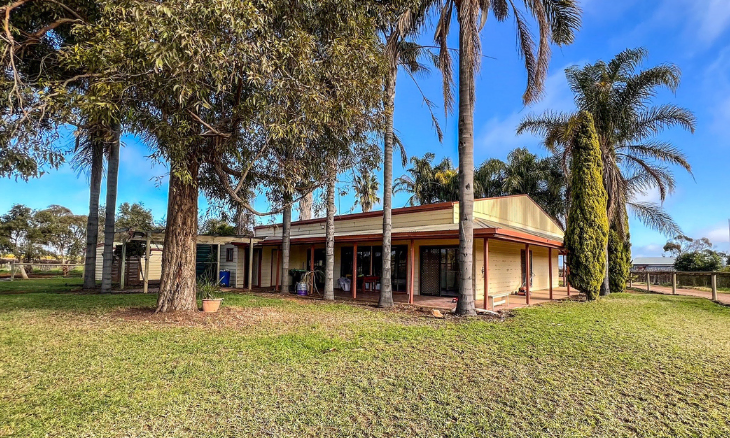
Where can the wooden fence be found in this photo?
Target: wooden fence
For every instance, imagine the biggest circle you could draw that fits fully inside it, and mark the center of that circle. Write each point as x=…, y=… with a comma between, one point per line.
x=679, y=279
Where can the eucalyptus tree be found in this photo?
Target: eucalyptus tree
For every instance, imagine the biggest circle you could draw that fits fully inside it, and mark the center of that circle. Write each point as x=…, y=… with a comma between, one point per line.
x=619, y=97
x=219, y=88
x=556, y=21
x=306, y=204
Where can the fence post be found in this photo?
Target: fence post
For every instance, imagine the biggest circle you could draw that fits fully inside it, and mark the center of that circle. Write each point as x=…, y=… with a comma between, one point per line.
x=12, y=270
x=674, y=283
x=714, y=287
x=647, y=282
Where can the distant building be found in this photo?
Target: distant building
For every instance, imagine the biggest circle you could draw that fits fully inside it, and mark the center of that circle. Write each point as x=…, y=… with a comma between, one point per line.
x=653, y=264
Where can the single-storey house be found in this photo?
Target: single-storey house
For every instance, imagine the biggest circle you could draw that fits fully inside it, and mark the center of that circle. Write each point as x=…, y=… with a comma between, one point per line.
x=510, y=233
x=653, y=264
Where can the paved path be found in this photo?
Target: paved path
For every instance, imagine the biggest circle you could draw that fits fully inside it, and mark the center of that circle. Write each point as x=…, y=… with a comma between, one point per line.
x=722, y=297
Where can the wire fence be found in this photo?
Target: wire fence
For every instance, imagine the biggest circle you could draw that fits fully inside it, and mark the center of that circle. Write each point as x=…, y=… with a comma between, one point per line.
x=17, y=269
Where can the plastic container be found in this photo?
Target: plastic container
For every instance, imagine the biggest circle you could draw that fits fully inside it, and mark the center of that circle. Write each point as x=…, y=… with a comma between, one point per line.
x=301, y=288
x=224, y=278
x=344, y=284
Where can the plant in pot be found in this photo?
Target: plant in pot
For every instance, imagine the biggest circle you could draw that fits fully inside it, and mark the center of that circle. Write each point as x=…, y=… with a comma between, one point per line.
x=208, y=292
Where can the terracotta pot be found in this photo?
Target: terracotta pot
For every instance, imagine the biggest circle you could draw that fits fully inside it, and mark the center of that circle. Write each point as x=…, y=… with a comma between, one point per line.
x=212, y=305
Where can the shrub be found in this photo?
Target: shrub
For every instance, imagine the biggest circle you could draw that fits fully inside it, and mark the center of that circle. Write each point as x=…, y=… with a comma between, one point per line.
x=586, y=235
x=706, y=260
x=208, y=290
x=619, y=261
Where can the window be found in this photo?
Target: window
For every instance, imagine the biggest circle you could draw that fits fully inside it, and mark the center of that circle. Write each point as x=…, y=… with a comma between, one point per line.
x=229, y=254
x=370, y=260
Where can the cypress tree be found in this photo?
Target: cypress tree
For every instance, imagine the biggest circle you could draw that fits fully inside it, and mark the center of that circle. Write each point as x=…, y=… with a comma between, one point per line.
x=587, y=233
x=619, y=261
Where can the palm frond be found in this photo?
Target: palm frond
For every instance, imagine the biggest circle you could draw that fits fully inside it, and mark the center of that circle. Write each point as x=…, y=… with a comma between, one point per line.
x=526, y=50
x=444, y=61
x=657, y=150
x=655, y=217
x=399, y=144
x=655, y=119
x=565, y=19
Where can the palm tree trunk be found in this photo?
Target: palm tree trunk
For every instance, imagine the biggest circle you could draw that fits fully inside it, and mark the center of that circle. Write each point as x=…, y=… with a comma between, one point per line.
x=465, y=305
x=285, y=244
x=329, y=276
x=111, y=207
x=386, y=286
x=92, y=224
x=177, y=281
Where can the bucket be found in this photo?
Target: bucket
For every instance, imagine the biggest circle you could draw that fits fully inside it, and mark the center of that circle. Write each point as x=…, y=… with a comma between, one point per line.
x=301, y=288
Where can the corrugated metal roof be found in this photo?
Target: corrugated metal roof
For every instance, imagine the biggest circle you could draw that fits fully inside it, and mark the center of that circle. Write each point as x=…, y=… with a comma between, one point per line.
x=479, y=223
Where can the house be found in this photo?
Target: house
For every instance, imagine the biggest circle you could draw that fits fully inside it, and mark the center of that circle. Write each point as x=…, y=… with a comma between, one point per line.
x=509, y=232
x=653, y=264
x=214, y=254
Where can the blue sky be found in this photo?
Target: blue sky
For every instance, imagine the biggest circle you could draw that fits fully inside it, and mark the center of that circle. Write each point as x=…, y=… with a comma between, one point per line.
x=693, y=34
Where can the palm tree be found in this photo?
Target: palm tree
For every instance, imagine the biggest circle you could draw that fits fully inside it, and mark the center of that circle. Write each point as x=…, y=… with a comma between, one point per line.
x=399, y=53
x=366, y=191
x=89, y=154
x=489, y=178
x=619, y=99
x=418, y=181
x=113, y=138
x=556, y=22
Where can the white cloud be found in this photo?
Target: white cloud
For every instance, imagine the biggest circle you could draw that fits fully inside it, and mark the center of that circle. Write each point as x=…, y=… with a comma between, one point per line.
x=720, y=236
x=650, y=250
x=498, y=136
x=712, y=18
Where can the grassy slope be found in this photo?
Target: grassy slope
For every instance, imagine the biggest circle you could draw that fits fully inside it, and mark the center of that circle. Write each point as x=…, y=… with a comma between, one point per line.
x=630, y=365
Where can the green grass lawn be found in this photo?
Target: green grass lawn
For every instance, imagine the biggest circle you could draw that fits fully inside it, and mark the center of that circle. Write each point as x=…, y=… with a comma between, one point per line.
x=53, y=284
x=629, y=365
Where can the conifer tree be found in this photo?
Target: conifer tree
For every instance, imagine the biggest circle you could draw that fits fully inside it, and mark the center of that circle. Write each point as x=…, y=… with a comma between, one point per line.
x=587, y=232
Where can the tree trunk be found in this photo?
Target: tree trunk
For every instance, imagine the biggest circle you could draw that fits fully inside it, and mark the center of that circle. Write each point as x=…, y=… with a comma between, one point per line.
x=92, y=224
x=177, y=282
x=111, y=207
x=386, y=285
x=243, y=219
x=606, y=285
x=329, y=276
x=305, y=206
x=285, y=245
x=465, y=305
x=23, y=274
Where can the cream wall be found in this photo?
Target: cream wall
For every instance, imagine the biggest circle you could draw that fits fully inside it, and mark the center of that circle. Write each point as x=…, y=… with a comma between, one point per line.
x=505, y=270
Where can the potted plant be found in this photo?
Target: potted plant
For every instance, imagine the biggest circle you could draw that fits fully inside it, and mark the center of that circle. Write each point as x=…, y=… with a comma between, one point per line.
x=208, y=291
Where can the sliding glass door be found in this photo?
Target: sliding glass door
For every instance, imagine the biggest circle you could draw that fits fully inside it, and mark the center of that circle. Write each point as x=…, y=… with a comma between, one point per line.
x=439, y=271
